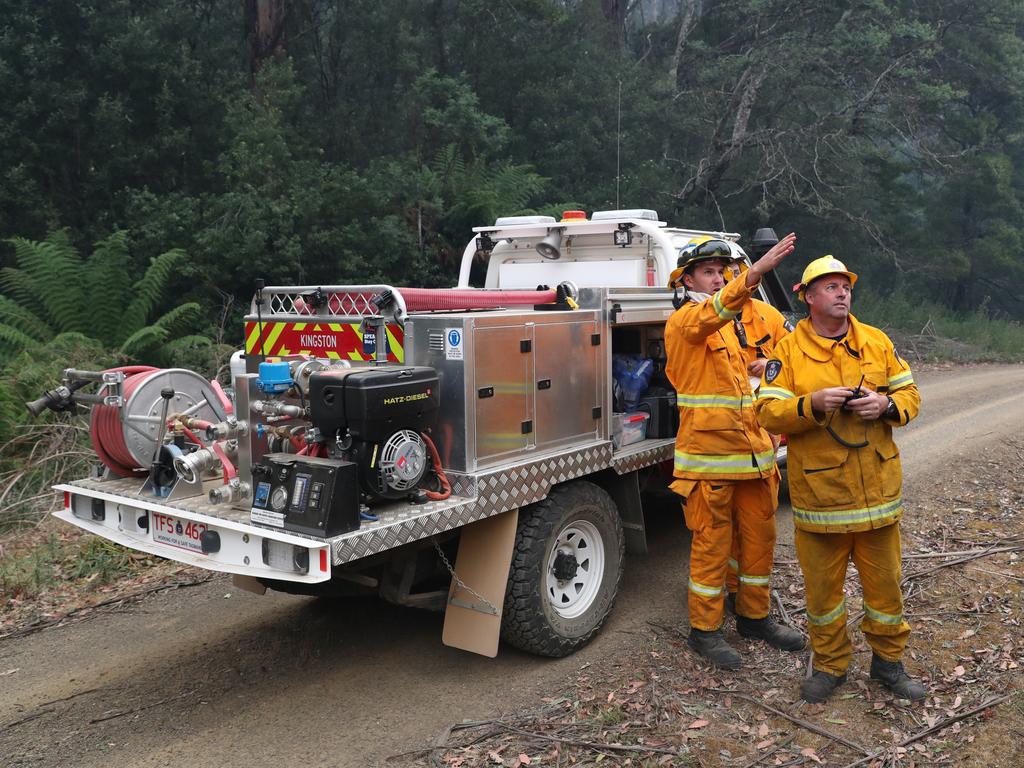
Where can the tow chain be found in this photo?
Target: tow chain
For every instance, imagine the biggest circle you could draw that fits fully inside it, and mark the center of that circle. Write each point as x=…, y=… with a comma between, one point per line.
x=486, y=607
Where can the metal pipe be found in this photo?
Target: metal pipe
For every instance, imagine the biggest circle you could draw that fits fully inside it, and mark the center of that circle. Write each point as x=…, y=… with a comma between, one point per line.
x=275, y=408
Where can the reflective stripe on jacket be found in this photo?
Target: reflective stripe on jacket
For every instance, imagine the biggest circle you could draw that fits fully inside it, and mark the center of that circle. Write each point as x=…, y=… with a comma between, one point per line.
x=718, y=436
x=834, y=488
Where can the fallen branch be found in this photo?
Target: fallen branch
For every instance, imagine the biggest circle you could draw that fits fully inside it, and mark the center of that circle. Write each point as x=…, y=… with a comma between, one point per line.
x=439, y=744
x=997, y=573
x=802, y=723
x=931, y=555
x=587, y=744
x=116, y=715
x=72, y=696
x=25, y=719
x=782, y=608
x=41, y=625
x=942, y=724
x=959, y=561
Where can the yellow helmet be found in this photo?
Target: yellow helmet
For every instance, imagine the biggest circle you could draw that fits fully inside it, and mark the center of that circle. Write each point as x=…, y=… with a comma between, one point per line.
x=826, y=265
x=699, y=249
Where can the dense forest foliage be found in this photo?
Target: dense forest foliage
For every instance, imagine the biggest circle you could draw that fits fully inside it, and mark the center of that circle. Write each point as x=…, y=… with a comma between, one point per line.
x=330, y=141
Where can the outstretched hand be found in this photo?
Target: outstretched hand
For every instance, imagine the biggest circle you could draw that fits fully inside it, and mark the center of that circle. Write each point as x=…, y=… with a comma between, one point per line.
x=770, y=260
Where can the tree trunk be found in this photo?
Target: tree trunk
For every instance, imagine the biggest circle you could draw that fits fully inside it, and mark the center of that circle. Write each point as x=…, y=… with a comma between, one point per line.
x=615, y=12
x=687, y=17
x=265, y=23
x=721, y=153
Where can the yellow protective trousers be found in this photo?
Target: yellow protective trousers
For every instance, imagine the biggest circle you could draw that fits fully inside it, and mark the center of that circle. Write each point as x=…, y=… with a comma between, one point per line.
x=712, y=507
x=823, y=560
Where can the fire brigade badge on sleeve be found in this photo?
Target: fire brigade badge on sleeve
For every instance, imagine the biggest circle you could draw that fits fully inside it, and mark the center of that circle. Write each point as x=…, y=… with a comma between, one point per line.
x=772, y=369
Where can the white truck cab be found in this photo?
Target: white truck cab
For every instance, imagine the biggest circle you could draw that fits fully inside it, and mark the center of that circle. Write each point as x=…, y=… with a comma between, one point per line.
x=622, y=249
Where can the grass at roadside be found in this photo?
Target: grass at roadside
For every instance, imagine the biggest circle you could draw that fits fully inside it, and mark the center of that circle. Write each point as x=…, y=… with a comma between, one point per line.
x=928, y=332
x=53, y=569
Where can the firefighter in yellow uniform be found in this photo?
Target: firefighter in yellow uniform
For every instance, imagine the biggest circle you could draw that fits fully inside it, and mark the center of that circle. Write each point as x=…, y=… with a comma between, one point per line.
x=836, y=388
x=724, y=462
x=759, y=326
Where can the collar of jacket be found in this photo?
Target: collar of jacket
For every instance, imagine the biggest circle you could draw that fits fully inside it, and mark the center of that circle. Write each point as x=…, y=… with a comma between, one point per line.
x=820, y=347
x=696, y=297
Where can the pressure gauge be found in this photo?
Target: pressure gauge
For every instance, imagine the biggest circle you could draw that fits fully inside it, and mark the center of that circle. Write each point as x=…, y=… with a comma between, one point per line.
x=279, y=498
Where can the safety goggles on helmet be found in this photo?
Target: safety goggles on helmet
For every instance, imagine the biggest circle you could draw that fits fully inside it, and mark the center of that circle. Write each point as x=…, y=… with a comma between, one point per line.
x=694, y=252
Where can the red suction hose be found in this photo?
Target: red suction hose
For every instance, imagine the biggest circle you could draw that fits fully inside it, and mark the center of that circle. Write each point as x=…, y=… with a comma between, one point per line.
x=425, y=299
x=105, y=427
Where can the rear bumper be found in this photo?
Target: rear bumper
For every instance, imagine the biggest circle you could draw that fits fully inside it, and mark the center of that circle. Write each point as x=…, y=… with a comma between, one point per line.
x=237, y=548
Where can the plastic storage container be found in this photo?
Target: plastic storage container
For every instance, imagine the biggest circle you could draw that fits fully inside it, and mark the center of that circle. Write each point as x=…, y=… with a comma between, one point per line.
x=629, y=428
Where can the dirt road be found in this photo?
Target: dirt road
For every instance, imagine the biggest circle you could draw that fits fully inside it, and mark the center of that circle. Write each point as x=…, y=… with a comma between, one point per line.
x=210, y=676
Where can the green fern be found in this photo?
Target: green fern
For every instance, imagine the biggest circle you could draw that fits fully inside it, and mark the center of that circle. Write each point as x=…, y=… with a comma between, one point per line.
x=18, y=286
x=52, y=293
x=144, y=343
x=147, y=292
x=13, y=340
x=15, y=315
x=108, y=286
x=180, y=319
x=54, y=272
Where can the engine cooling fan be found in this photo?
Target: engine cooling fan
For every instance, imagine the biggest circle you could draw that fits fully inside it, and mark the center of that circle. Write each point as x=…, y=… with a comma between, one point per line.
x=402, y=461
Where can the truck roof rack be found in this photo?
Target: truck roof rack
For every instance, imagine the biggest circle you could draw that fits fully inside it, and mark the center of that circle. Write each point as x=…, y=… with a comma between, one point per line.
x=511, y=221
x=625, y=213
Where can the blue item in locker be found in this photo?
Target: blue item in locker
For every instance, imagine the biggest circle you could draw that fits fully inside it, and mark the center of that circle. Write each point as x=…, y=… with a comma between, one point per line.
x=633, y=375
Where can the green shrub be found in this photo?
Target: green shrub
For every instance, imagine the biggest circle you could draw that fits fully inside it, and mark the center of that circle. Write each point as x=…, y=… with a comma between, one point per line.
x=101, y=561
x=29, y=574
x=933, y=332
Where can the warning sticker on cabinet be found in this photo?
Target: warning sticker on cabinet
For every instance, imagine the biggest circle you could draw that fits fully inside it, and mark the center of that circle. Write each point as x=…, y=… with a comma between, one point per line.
x=453, y=344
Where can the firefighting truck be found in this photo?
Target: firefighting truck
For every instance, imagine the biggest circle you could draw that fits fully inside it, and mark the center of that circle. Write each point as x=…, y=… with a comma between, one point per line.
x=469, y=449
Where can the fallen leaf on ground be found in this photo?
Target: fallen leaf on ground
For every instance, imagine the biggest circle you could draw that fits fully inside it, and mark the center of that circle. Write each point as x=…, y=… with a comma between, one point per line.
x=809, y=752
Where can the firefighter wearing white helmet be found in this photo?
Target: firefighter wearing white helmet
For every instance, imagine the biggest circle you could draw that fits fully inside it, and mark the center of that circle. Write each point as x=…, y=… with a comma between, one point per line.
x=724, y=462
x=836, y=388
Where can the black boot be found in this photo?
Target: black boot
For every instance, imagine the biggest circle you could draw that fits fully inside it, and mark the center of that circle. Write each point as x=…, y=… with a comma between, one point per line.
x=712, y=646
x=730, y=603
x=819, y=686
x=776, y=635
x=892, y=675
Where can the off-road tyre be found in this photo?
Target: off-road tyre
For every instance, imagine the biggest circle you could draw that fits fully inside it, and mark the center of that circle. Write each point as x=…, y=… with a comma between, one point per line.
x=539, y=615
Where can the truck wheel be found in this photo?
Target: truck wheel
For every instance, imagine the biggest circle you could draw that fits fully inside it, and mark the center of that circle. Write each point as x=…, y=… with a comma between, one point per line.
x=565, y=570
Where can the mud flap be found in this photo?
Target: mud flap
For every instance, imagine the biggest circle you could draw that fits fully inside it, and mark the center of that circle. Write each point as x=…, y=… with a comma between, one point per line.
x=248, y=583
x=485, y=554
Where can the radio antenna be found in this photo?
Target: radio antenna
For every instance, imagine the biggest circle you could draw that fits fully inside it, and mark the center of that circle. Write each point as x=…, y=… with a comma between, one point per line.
x=259, y=315
x=618, y=144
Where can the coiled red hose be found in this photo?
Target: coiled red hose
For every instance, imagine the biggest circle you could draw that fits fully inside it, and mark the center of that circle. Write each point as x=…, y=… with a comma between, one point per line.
x=427, y=299
x=106, y=430
x=424, y=299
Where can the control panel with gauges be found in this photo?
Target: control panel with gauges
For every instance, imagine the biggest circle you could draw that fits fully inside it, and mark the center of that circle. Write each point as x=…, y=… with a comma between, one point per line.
x=306, y=494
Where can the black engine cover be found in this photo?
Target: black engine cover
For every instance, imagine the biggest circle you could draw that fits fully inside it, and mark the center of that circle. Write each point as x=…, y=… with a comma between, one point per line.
x=373, y=403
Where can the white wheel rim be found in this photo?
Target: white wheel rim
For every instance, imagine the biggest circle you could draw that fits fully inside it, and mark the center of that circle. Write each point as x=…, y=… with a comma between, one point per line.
x=572, y=597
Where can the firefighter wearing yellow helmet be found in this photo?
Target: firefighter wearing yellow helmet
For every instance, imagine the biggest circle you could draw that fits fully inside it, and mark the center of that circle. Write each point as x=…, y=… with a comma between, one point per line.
x=724, y=462
x=826, y=265
x=836, y=388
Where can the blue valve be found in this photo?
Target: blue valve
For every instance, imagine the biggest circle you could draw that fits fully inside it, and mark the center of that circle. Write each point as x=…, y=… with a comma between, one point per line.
x=275, y=378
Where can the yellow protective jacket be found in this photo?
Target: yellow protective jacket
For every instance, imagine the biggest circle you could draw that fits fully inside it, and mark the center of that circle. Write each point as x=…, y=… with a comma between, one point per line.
x=718, y=437
x=834, y=488
x=764, y=326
